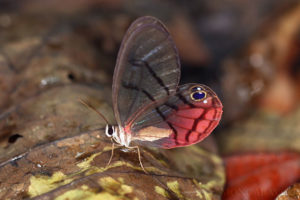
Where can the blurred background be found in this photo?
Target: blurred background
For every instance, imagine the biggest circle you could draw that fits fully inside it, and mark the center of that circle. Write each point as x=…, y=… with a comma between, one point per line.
x=247, y=51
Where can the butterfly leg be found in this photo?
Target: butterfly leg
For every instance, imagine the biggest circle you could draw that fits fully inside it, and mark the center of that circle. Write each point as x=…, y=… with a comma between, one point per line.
x=112, y=154
x=139, y=155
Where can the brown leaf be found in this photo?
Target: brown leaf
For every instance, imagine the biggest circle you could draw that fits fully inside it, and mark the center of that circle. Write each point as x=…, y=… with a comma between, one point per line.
x=75, y=166
x=49, y=116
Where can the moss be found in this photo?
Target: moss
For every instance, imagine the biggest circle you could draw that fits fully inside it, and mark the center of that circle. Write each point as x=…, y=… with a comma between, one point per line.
x=85, y=194
x=86, y=165
x=115, y=186
x=87, y=162
x=161, y=191
x=199, y=194
x=174, y=186
x=207, y=195
x=113, y=190
x=41, y=184
x=205, y=189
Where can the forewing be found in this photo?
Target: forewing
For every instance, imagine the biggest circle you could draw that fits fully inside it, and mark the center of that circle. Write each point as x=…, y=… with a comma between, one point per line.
x=180, y=121
x=147, y=69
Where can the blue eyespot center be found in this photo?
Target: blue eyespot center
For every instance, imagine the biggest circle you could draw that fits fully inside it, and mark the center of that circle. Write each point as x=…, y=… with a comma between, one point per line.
x=198, y=95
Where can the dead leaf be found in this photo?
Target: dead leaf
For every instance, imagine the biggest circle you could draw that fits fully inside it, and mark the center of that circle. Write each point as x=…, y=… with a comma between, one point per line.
x=75, y=167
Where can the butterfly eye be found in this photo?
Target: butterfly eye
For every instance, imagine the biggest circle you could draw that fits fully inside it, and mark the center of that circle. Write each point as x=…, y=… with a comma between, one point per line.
x=109, y=130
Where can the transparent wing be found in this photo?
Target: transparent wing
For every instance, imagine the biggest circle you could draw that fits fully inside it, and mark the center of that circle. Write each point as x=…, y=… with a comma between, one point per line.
x=147, y=69
x=183, y=119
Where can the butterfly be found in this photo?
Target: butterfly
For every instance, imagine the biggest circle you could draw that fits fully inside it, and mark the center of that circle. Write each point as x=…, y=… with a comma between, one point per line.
x=149, y=106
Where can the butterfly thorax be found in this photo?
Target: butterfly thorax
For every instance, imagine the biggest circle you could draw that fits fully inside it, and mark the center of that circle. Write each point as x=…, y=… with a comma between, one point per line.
x=118, y=134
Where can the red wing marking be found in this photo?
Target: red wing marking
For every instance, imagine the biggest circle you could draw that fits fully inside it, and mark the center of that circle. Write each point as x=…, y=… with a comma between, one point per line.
x=202, y=125
x=181, y=135
x=193, y=136
x=183, y=122
x=210, y=114
x=192, y=113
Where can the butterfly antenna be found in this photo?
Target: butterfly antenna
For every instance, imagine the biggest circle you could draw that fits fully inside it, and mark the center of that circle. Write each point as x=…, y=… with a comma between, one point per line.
x=94, y=109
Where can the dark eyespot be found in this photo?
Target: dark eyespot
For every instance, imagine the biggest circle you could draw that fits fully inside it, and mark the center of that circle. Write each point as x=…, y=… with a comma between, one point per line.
x=110, y=130
x=197, y=96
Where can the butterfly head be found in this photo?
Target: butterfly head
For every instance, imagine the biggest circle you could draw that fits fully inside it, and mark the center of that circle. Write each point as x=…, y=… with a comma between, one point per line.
x=117, y=133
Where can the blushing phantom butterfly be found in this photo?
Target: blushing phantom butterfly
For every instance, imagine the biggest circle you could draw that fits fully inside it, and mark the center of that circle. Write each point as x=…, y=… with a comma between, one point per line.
x=149, y=106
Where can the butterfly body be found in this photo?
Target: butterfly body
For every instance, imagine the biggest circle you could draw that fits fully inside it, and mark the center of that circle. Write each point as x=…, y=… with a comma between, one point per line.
x=149, y=106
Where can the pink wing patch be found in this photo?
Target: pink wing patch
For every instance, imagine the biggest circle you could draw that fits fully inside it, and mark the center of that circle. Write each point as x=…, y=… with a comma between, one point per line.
x=188, y=120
